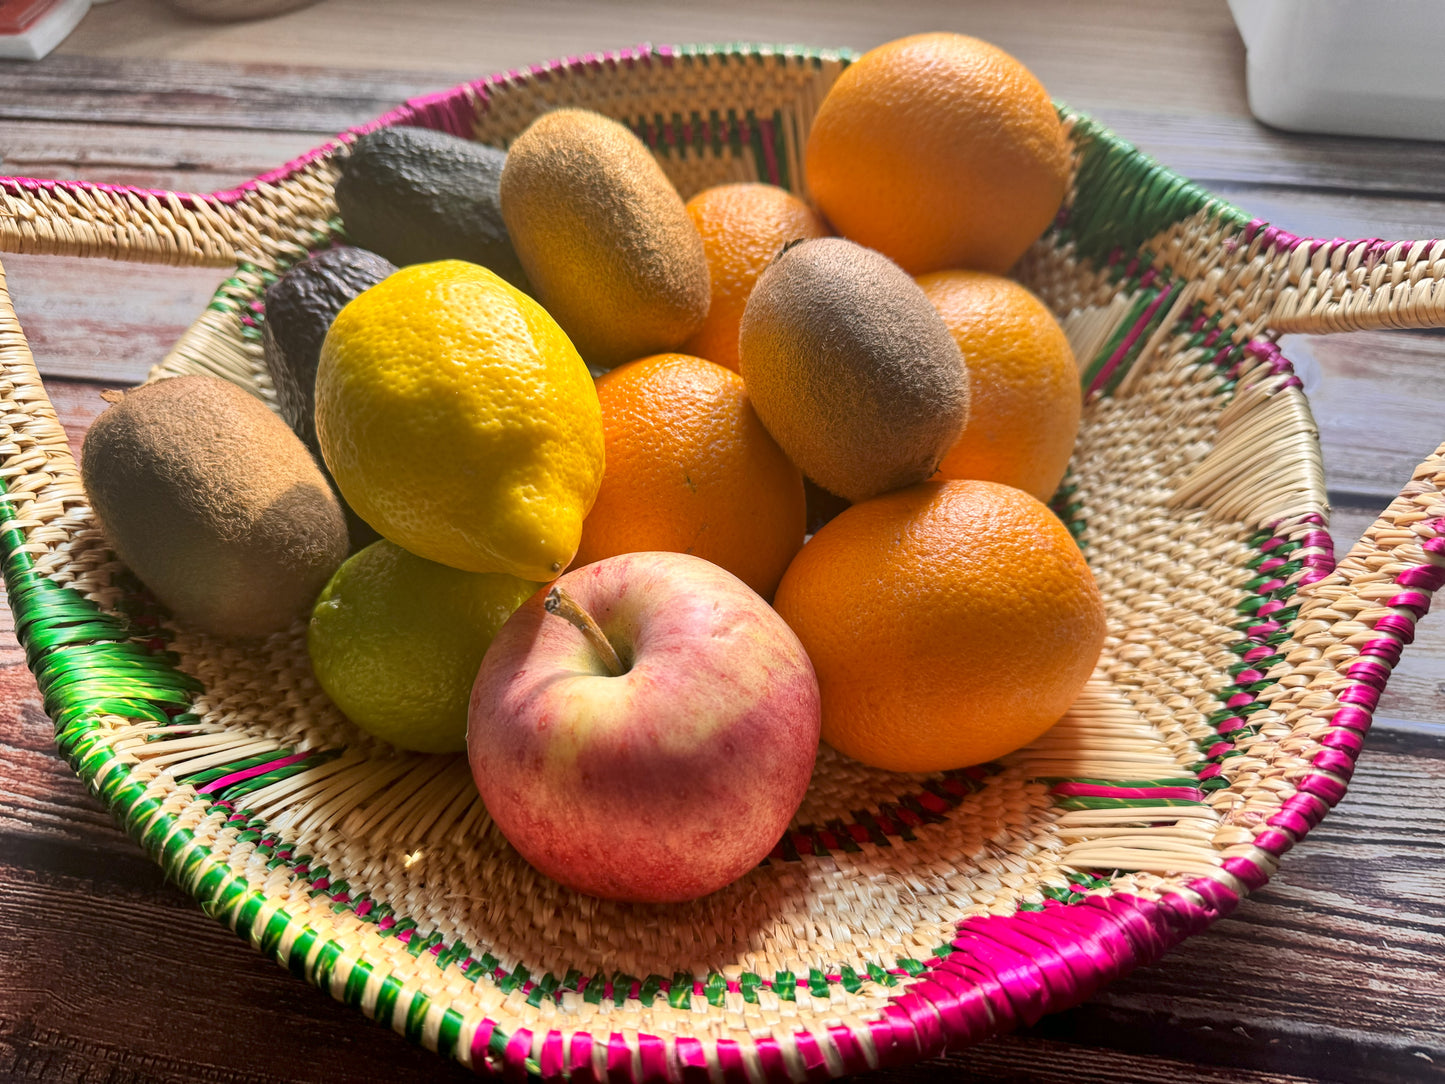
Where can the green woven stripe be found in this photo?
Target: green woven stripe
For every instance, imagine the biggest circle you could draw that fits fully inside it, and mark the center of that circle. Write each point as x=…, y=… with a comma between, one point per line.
x=254, y=784
x=1179, y=781
x=449, y=1032
x=1122, y=197
x=201, y=778
x=355, y=988
x=736, y=53
x=416, y=1016
x=1136, y=310
x=1076, y=891
x=1123, y=803
x=1066, y=505
x=679, y=136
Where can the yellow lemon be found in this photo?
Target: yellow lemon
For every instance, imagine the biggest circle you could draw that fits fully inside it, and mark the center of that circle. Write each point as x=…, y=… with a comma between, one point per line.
x=460, y=422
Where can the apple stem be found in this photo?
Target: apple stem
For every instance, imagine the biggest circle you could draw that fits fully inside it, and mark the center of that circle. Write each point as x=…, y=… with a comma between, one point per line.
x=562, y=604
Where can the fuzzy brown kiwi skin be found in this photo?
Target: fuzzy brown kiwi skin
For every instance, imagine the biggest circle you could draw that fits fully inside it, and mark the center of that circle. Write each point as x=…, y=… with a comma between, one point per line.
x=214, y=503
x=604, y=237
x=851, y=369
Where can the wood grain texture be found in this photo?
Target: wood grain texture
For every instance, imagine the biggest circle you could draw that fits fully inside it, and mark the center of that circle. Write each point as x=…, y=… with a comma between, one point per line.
x=1379, y=404
x=103, y=320
x=111, y=975
x=256, y=97
x=167, y=157
x=1183, y=55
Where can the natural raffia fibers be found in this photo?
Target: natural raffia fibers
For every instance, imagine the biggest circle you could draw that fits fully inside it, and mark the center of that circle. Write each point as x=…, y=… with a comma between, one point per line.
x=900, y=915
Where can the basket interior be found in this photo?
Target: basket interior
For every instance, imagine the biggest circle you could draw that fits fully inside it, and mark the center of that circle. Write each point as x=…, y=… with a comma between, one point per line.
x=1195, y=491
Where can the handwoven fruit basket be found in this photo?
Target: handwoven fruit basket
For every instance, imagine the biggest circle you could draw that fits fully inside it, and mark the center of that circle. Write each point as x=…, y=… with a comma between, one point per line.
x=900, y=916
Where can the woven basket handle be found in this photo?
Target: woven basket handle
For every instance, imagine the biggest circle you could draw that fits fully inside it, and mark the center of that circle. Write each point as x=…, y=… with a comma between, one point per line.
x=75, y=218
x=1361, y=286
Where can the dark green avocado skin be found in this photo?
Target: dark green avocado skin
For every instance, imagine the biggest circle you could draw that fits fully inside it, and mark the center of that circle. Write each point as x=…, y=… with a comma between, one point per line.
x=415, y=195
x=300, y=307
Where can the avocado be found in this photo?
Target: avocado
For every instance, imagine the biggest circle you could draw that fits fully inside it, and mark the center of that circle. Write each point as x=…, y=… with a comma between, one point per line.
x=415, y=195
x=300, y=306
x=214, y=503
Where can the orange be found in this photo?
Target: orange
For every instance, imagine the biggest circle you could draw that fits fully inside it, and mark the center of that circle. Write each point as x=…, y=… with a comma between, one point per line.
x=949, y=623
x=743, y=226
x=938, y=150
x=1023, y=386
x=691, y=469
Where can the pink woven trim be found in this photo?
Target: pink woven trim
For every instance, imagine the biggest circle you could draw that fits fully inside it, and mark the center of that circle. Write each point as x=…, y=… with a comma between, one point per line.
x=579, y=1056
x=17, y=185
x=1371, y=249
x=250, y=773
x=1274, y=237
x=481, y=1038
x=1367, y=675
x=770, y=153
x=1006, y=972
x=1271, y=236
x=553, y=1058
x=516, y=1053
x=1100, y=790
x=1269, y=352
x=1122, y=351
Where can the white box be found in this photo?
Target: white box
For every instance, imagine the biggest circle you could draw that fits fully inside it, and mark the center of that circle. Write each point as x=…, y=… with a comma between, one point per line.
x=1349, y=67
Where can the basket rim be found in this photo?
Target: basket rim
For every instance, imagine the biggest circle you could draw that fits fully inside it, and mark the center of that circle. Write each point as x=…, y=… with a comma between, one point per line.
x=1013, y=969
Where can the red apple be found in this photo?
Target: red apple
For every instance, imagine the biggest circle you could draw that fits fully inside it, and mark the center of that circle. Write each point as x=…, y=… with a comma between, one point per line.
x=667, y=780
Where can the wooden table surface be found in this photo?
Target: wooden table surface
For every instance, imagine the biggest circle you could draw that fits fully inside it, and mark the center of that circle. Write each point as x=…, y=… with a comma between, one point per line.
x=109, y=974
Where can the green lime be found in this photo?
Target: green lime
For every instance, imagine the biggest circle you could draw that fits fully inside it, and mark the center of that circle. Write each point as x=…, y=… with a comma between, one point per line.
x=396, y=642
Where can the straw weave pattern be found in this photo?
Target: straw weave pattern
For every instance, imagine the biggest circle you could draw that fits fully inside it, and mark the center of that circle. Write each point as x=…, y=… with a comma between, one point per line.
x=900, y=915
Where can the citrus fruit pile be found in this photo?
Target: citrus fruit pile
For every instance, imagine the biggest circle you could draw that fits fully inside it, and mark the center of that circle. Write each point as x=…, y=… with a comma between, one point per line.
x=545, y=360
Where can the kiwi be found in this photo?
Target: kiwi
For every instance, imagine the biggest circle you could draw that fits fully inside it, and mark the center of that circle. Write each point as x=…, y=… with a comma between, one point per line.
x=851, y=369
x=214, y=503
x=604, y=237
x=415, y=195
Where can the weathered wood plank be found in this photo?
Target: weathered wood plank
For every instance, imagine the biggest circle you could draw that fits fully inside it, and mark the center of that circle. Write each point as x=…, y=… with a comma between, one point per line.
x=43, y=798
x=102, y=320
x=77, y=403
x=1180, y=56
x=255, y=97
x=1218, y=147
x=1379, y=403
x=1034, y=1058
x=164, y=157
